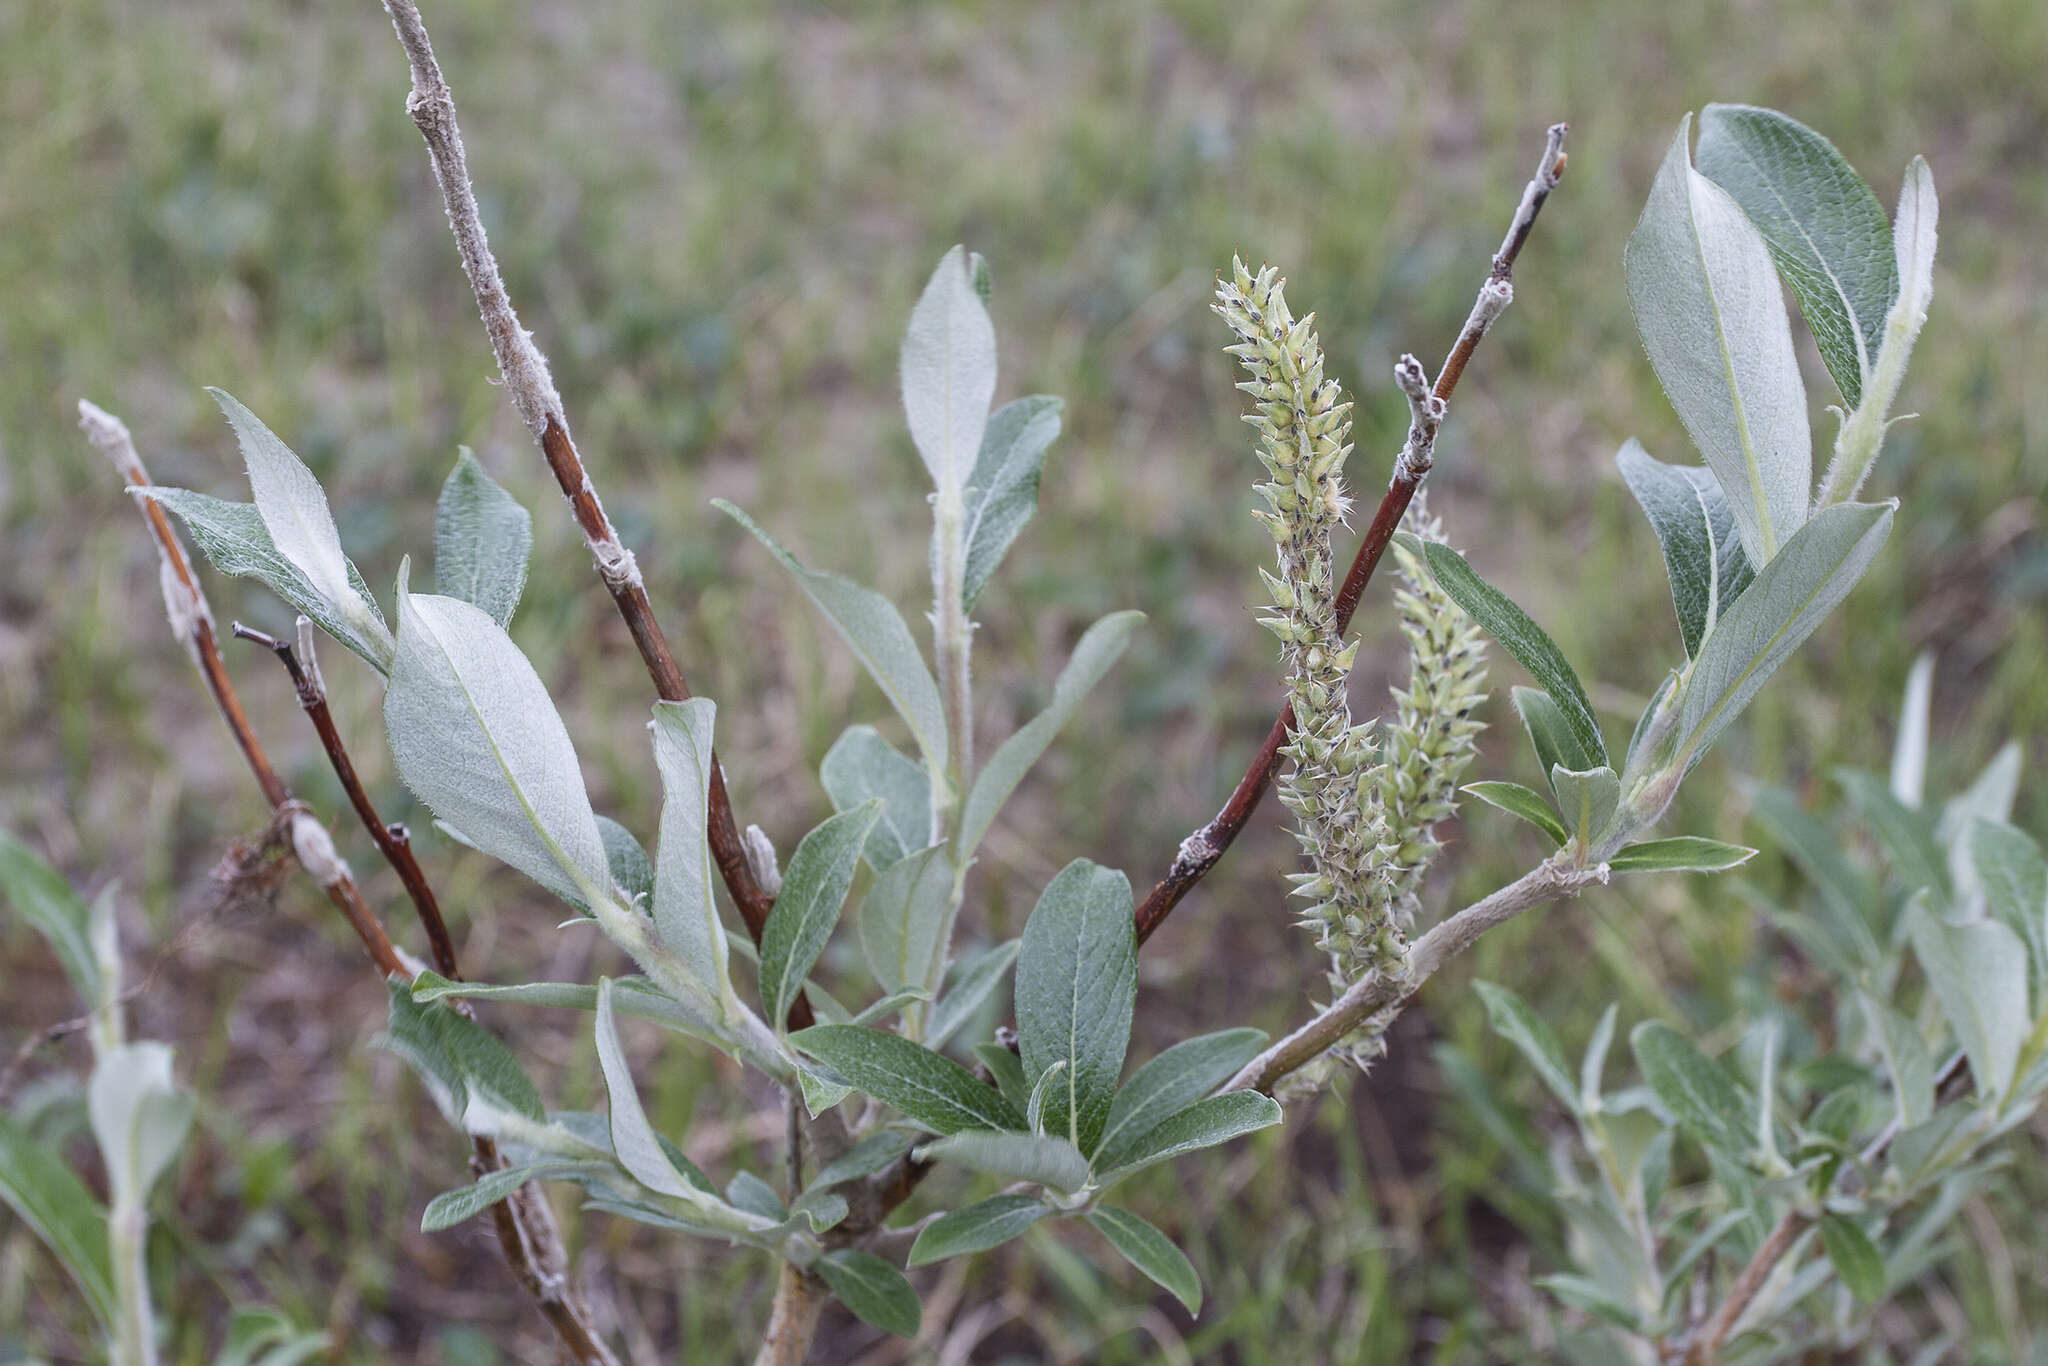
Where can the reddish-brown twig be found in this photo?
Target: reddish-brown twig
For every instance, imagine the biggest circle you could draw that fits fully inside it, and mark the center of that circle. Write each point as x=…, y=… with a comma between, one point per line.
x=1427, y=403
x=526, y=1228
x=531, y=389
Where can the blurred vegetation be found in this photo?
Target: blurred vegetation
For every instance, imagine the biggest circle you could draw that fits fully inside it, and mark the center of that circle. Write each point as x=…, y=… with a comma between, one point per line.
x=715, y=217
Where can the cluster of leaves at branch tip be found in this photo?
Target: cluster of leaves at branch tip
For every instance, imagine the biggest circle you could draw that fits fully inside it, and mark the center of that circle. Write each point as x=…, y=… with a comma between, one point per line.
x=1365, y=812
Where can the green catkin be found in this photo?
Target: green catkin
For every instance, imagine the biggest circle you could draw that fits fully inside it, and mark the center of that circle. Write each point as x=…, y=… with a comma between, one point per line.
x=1365, y=813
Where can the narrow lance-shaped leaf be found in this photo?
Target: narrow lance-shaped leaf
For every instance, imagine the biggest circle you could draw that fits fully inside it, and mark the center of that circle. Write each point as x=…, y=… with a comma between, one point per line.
x=41, y=896
x=1038, y=1158
x=477, y=738
x=974, y=980
x=235, y=541
x=1002, y=493
x=933, y=1090
x=949, y=372
x=294, y=510
x=875, y=1291
x=874, y=629
x=1824, y=227
x=1204, y=1124
x=1979, y=974
x=1521, y=801
x=471, y=1076
x=814, y=887
x=1077, y=980
x=685, y=907
x=1909, y=750
x=1792, y=595
x=903, y=918
x=1171, y=1082
x=482, y=539
x=1701, y=1096
x=1099, y=648
x=1151, y=1251
x=1514, y=1021
x=2009, y=867
x=1556, y=744
x=1680, y=854
x=976, y=1228
x=1855, y=1260
x=1703, y=554
x=46, y=1196
x=1525, y=640
x=638, y=1147
x=862, y=765
x=1708, y=305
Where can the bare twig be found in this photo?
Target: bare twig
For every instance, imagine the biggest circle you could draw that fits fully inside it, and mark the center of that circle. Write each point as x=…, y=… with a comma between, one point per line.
x=525, y=1223
x=531, y=389
x=391, y=840
x=1553, y=880
x=1704, y=1346
x=1201, y=850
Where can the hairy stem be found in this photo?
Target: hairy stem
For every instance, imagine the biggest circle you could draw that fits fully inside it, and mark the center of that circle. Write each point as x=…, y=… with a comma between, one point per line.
x=793, y=1321
x=1553, y=880
x=1203, y=849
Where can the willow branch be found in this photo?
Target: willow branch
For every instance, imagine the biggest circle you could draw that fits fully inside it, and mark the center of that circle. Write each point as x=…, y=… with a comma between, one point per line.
x=1553, y=880
x=793, y=1319
x=526, y=1227
x=531, y=388
x=1428, y=405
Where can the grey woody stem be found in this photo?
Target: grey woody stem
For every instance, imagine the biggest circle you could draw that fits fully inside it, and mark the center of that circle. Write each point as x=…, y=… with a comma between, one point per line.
x=525, y=1223
x=1553, y=880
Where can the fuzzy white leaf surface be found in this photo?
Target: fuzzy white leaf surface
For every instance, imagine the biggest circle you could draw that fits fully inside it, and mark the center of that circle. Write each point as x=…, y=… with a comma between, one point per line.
x=949, y=372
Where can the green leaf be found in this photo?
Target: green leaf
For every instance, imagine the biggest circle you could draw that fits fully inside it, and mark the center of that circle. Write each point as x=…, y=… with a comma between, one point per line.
x=1909, y=750
x=1703, y=553
x=627, y=861
x=1697, y=1091
x=864, y=1158
x=1512, y=1019
x=234, y=539
x=973, y=982
x=452, y=1207
x=1555, y=743
x=1171, y=1082
x=1077, y=980
x=904, y=919
x=1856, y=1260
x=1151, y=1251
x=685, y=906
x=41, y=896
x=1525, y=640
x=814, y=887
x=639, y=1149
x=59, y=1210
x=1710, y=311
x=873, y=628
x=860, y=766
x=1680, y=854
x=264, y=1337
x=1587, y=800
x=1824, y=227
x=294, y=510
x=1521, y=801
x=482, y=539
x=1099, y=648
x=949, y=372
x=1037, y=1158
x=2015, y=881
x=1006, y=1070
x=1906, y=1058
x=1595, y=1062
x=477, y=739
x=749, y=1192
x=875, y=1291
x=1589, y=1297
x=1792, y=595
x=1979, y=974
x=1914, y=233
x=1002, y=493
x=933, y=1090
x=472, y=1077
x=1202, y=1125
x=1907, y=836
x=139, y=1117
x=976, y=1228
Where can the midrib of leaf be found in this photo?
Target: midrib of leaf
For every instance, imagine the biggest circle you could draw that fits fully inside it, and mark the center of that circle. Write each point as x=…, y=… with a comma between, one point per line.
x=555, y=850
x=1855, y=323
x=1074, y=1051
x=1765, y=529
x=1713, y=566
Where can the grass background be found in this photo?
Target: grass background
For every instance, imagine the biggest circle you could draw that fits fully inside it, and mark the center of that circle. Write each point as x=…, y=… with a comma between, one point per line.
x=715, y=217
